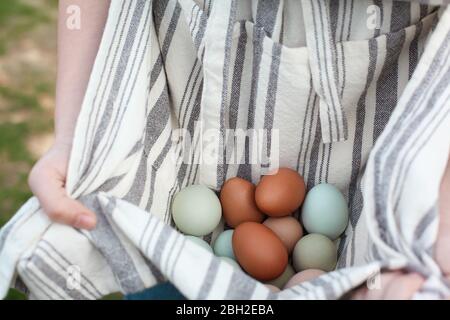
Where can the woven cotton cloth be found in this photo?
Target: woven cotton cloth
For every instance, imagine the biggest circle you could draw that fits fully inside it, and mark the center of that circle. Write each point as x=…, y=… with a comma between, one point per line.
x=366, y=109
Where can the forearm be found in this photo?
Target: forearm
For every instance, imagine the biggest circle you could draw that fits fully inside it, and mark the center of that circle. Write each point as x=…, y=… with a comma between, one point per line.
x=77, y=49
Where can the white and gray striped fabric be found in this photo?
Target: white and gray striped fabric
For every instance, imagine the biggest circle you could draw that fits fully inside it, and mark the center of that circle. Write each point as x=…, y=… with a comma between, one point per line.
x=366, y=109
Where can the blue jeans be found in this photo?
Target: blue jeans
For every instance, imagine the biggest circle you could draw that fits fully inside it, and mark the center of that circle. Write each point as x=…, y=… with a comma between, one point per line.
x=161, y=291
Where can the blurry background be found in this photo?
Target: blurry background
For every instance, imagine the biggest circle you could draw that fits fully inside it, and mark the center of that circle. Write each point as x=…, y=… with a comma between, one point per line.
x=27, y=80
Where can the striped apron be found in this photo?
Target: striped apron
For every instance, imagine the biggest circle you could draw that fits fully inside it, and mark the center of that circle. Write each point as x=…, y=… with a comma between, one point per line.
x=366, y=109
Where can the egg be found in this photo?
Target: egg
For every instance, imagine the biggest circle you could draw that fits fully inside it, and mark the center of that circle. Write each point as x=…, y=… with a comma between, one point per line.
x=303, y=276
x=196, y=210
x=314, y=251
x=238, y=202
x=198, y=241
x=281, y=193
x=282, y=279
x=325, y=211
x=223, y=246
x=259, y=251
x=288, y=229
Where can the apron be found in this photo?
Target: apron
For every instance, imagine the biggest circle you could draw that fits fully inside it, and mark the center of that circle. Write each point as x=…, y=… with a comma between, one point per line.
x=366, y=112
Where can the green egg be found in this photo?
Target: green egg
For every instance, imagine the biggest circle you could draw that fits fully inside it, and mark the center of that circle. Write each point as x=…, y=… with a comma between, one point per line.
x=202, y=243
x=325, y=211
x=223, y=246
x=314, y=251
x=196, y=210
x=281, y=280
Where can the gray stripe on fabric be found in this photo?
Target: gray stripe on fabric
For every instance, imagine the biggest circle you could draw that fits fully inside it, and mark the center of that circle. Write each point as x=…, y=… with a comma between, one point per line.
x=266, y=14
x=237, y=76
x=423, y=10
x=405, y=166
x=359, y=131
x=314, y=115
x=236, y=85
x=56, y=278
x=181, y=174
x=224, y=101
x=102, y=125
x=314, y=156
x=192, y=93
x=321, y=28
x=158, y=66
x=382, y=181
x=342, y=251
x=209, y=279
x=64, y=269
x=350, y=19
x=156, y=122
x=177, y=257
x=115, y=87
x=245, y=169
x=426, y=220
x=155, y=167
x=271, y=96
x=89, y=282
x=400, y=15
x=302, y=137
x=387, y=83
x=201, y=30
x=188, y=83
x=334, y=15
x=161, y=242
x=32, y=277
x=155, y=271
x=104, y=78
x=159, y=10
x=414, y=49
x=111, y=183
x=119, y=117
x=379, y=4
x=240, y=287
x=110, y=246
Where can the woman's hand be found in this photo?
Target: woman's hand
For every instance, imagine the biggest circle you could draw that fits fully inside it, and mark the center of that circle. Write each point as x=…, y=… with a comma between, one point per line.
x=399, y=285
x=47, y=181
x=77, y=49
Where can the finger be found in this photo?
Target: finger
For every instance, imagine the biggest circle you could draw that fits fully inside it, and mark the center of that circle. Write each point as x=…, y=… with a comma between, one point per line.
x=403, y=287
x=49, y=189
x=443, y=239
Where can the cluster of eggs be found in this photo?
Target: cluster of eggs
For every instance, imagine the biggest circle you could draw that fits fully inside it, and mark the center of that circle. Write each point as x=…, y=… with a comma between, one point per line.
x=266, y=237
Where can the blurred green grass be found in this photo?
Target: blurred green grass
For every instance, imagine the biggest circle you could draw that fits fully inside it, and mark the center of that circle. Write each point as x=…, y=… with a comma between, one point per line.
x=27, y=80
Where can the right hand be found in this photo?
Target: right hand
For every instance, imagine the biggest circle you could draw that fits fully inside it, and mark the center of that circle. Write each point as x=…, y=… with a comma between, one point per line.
x=47, y=181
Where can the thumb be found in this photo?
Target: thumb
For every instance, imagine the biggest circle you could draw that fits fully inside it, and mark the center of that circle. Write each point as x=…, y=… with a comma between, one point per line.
x=49, y=189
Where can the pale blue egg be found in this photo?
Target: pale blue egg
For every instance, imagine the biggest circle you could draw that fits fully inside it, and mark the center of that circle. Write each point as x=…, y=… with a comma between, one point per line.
x=325, y=211
x=223, y=246
x=196, y=210
x=199, y=241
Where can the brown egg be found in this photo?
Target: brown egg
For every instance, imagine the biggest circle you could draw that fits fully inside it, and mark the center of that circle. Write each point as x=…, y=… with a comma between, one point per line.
x=280, y=194
x=288, y=229
x=238, y=202
x=303, y=276
x=259, y=251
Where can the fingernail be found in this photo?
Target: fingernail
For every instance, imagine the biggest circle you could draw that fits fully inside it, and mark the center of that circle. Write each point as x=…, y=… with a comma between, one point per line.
x=85, y=222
